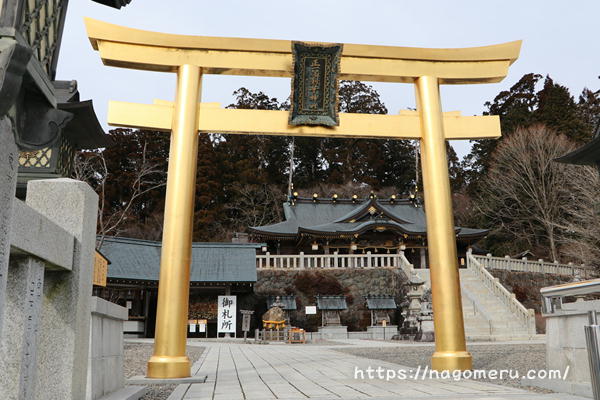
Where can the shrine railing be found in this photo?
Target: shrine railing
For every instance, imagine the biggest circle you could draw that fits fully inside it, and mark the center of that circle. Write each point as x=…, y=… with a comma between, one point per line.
x=539, y=266
x=526, y=316
x=406, y=265
x=309, y=261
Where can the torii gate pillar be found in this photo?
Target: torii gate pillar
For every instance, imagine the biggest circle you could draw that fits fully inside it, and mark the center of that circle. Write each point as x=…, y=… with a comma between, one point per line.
x=170, y=359
x=450, y=350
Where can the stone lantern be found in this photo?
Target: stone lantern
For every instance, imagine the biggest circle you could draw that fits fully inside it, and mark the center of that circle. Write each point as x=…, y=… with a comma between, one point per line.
x=411, y=313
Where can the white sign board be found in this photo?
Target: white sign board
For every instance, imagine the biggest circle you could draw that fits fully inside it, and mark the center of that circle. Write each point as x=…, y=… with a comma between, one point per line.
x=311, y=310
x=227, y=313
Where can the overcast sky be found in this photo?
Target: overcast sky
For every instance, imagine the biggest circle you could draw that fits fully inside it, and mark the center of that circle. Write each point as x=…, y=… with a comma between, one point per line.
x=560, y=38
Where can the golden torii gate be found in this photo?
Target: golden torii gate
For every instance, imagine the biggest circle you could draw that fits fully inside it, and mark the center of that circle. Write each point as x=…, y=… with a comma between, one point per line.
x=192, y=56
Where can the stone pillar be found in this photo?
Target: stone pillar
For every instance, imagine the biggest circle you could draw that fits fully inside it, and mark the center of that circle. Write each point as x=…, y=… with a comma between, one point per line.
x=19, y=343
x=423, y=257
x=63, y=346
x=9, y=158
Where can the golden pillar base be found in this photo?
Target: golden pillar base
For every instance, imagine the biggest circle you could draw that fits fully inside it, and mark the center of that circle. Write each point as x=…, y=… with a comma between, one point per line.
x=451, y=361
x=166, y=367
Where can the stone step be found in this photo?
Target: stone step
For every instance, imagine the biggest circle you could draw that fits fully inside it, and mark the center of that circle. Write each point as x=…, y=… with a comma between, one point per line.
x=503, y=323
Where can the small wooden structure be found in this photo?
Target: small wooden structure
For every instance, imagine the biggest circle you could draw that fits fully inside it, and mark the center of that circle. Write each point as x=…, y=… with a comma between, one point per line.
x=296, y=335
x=380, y=307
x=330, y=307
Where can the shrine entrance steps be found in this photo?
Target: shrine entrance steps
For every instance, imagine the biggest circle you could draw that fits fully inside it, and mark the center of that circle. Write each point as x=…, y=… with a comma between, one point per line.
x=486, y=316
x=490, y=315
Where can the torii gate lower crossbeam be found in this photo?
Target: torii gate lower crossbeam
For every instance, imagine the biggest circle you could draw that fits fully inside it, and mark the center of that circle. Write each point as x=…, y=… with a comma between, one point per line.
x=192, y=56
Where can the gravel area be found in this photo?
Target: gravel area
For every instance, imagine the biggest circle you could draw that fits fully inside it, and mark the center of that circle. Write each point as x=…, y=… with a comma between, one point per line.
x=520, y=357
x=135, y=358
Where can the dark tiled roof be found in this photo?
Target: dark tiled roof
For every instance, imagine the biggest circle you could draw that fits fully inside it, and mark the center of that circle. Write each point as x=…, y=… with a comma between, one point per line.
x=381, y=302
x=326, y=217
x=84, y=130
x=289, y=302
x=114, y=3
x=331, y=302
x=588, y=154
x=211, y=262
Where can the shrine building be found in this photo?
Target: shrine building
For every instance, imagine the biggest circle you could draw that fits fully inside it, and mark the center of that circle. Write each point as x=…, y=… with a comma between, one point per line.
x=336, y=233
x=133, y=271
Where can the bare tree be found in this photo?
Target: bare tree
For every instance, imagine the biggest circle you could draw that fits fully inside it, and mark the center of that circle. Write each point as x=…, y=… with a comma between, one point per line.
x=581, y=223
x=255, y=205
x=525, y=191
x=91, y=167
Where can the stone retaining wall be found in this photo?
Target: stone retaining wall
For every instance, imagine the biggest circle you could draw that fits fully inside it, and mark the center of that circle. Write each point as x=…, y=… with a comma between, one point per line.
x=526, y=285
x=355, y=284
x=105, y=370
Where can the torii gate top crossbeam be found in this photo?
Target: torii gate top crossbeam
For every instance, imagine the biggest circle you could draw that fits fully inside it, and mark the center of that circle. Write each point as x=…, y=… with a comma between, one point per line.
x=133, y=48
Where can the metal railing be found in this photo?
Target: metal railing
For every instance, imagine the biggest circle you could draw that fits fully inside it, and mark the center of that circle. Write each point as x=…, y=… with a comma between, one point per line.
x=478, y=308
x=539, y=266
x=552, y=296
x=526, y=316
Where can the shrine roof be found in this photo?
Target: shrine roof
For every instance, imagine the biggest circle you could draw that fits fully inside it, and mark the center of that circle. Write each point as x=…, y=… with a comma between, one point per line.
x=137, y=259
x=331, y=302
x=588, y=154
x=84, y=130
x=380, y=302
x=113, y=3
x=344, y=217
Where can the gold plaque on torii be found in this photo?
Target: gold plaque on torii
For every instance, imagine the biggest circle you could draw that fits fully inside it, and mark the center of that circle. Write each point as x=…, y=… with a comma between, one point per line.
x=192, y=56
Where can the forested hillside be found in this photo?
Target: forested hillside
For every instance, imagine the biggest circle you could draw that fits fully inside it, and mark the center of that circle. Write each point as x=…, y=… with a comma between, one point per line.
x=510, y=185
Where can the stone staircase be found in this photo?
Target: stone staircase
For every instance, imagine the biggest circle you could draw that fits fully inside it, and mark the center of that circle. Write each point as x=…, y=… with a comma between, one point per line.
x=491, y=312
x=485, y=315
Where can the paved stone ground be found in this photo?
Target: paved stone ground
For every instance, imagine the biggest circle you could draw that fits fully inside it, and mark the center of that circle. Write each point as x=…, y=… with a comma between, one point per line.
x=520, y=357
x=238, y=371
x=136, y=356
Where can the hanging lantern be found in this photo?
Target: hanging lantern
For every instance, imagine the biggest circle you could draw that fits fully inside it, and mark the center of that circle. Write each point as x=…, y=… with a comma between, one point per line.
x=81, y=130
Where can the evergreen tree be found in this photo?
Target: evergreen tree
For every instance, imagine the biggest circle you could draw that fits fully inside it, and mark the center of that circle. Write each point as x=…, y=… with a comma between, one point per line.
x=522, y=106
x=375, y=162
x=209, y=204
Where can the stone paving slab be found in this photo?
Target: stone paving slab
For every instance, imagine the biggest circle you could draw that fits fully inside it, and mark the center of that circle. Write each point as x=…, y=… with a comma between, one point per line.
x=237, y=371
